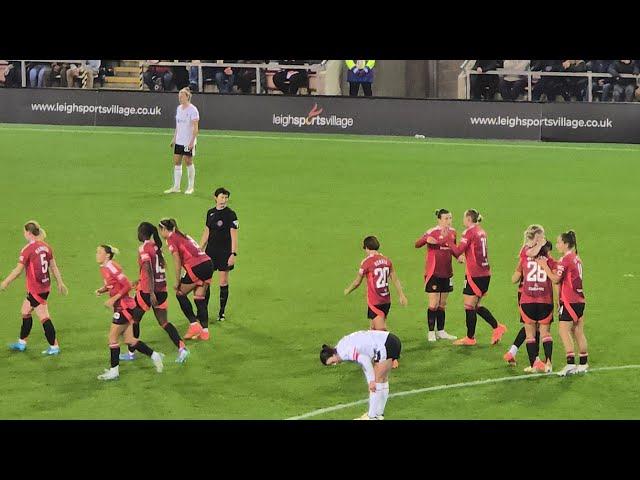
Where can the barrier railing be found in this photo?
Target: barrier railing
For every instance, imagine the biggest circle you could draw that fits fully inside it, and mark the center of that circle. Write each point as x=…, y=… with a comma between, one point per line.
x=530, y=74
x=23, y=67
x=314, y=67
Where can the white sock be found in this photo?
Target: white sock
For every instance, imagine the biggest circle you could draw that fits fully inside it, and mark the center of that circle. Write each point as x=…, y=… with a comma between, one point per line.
x=513, y=350
x=155, y=356
x=373, y=403
x=177, y=176
x=191, y=172
x=205, y=329
x=383, y=394
x=116, y=369
x=23, y=342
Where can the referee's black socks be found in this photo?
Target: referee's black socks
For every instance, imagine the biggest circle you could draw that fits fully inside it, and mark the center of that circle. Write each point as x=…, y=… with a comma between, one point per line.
x=224, y=296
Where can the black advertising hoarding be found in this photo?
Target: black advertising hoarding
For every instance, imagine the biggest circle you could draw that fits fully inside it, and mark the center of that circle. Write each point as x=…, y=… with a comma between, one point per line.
x=573, y=122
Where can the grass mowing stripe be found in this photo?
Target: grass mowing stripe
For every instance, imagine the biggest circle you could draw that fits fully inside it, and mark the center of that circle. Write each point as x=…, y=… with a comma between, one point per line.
x=448, y=387
x=348, y=140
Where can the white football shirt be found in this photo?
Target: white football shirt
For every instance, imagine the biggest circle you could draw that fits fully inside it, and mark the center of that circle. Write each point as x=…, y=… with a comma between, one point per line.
x=364, y=347
x=184, y=128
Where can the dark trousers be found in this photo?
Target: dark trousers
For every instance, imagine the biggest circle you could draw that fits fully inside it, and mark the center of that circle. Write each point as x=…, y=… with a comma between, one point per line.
x=512, y=90
x=290, y=86
x=354, y=87
x=623, y=92
x=551, y=87
x=483, y=87
x=576, y=88
x=166, y=79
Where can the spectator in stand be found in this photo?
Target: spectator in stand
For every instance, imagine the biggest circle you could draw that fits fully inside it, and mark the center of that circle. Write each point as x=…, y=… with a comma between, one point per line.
x=207, y=72
x=484, y=87
x=90, y=68
x=602, y=86
x=512, y=86
x=549, y=86
x=158, y=77
x=624, y=88
x=38, y=74
x=225, y=77
x=360, y=73
x=289, y=81
x=246, y=76
x=575, y=86
x=11, y=74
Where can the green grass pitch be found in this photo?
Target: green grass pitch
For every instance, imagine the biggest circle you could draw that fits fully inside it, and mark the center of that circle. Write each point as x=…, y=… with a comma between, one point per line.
x=304, y=203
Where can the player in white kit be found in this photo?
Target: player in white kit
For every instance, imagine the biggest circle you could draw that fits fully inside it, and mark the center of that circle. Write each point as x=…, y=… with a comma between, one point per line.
x=375, y=351
x=184, y=142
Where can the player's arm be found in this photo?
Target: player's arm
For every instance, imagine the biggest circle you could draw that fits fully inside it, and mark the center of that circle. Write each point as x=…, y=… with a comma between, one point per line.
x=517, y=274
x=458, y=249
x=152, y=279
x=535, y=250
x=178, y=264
x=367, y=367
x=204, y=239
x=15, y=273
x=173, y=140
x=396, y=283
x=555, y=278
x=126, y=286
x=194, y=133
x=355, y=284
x=424, y=239
x=62, y=288
x=234, y=246
x=556, y=295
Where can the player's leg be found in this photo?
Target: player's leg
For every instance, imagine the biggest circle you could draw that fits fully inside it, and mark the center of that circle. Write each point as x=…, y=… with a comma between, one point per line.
x=530, y=331
x=224, y=292
x=379, y=322
x=27, y=323
x=565, y=331
x=547, y=344
x=441, y=317
x=581, y=340
x=187, y=309
x=382, y=370
x=118, y=326
x=191, y=172
x=139, y=345
x=177, y=174
x=202, y=314
x=432, y=312
x=470, y=303
x=42, y=311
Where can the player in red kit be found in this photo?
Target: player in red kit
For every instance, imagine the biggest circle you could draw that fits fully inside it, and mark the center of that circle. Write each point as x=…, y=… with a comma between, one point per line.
x=198, y=268
x=473, y=245
x=536, y=304
x=37, y=260
x=532, y=235
x=151, y=289
x=378, y=270
x=568, y=274
x=117, y=285
x=438, y=273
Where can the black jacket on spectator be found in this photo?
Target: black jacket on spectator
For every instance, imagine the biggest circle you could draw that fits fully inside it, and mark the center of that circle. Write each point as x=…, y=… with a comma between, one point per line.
x=617, y=67
x=484, y=87
x=486, y=65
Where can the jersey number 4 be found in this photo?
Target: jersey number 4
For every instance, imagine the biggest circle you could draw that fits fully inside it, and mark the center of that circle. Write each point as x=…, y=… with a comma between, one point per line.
x=382, y=277
x=535, y=273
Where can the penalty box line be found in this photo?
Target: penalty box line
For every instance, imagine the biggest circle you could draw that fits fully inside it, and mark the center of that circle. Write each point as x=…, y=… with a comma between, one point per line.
x=449, y=387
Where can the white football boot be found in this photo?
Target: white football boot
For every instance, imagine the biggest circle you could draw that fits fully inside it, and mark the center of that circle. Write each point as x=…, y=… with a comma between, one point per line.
x=443, y=335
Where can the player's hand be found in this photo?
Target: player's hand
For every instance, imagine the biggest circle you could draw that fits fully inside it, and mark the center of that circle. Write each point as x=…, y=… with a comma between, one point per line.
x=3, y=286
x=403, y=300
x=98, y=292
x=542, y=261
x=190, y=147
x=231, y=261
x=372, y=386
x=172, y=144
x=460, y=259
x=62, y=288
x=154, y=300
x=347, y=291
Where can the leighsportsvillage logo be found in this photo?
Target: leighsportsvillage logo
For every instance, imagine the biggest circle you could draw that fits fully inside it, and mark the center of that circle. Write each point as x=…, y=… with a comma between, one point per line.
x=313, y=119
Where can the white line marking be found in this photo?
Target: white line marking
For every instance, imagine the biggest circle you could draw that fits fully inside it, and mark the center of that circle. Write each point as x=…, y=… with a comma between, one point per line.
x=448, y=387
x=409, y=141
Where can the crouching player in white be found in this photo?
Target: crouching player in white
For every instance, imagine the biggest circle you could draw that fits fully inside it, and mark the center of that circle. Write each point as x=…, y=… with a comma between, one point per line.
x=375, y=351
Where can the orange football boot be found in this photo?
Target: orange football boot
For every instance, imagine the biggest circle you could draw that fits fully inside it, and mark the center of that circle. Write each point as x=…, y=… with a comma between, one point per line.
x=204, y=335
x=497, y=333
x=194, y=331
x=510, y=359
x=465, y=341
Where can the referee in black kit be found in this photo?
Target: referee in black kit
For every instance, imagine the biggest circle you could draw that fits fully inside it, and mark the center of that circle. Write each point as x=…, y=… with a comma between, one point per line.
x=220, y=241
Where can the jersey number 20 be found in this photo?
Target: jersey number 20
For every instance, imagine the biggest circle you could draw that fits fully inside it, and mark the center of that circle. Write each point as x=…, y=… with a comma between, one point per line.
x=382, y=277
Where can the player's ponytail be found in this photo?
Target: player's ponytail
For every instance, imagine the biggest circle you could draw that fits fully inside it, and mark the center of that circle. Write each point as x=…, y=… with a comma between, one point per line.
x=474, y=215
x=147, y=231
x=35, y=229
x=110, y=250
x=171, y=225
x=158, y=242
x=326, y=352
x=442, y=211
x=569, y=237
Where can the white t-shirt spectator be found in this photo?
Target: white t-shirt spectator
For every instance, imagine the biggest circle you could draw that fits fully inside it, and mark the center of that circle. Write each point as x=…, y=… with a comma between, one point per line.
x=184, y=125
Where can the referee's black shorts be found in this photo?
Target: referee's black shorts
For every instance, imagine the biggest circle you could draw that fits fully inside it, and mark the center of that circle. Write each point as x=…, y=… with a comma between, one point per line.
x=220, y=258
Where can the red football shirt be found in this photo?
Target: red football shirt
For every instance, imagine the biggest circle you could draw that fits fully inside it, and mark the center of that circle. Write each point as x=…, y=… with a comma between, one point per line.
x=117, y=283
x=438, y=257
x=36, y=257
x=569, y=269
x=377, y=268
x=474, y=245
x=148, y=252
x=536, y=285
x=190, y=252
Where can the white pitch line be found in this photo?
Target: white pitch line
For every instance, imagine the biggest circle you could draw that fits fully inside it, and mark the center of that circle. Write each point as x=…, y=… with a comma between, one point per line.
x=348, y=140
x=448, y=387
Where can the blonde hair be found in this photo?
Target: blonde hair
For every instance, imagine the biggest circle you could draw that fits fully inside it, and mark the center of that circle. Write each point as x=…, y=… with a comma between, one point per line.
x=187, y=92
x=531, y=232
x=110, y=250
x=35, y=229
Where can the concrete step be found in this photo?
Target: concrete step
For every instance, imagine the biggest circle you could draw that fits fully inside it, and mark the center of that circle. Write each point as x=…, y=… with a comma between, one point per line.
x=120, y=86
x=131, y=80
x=129, y=63
x=126, y=71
